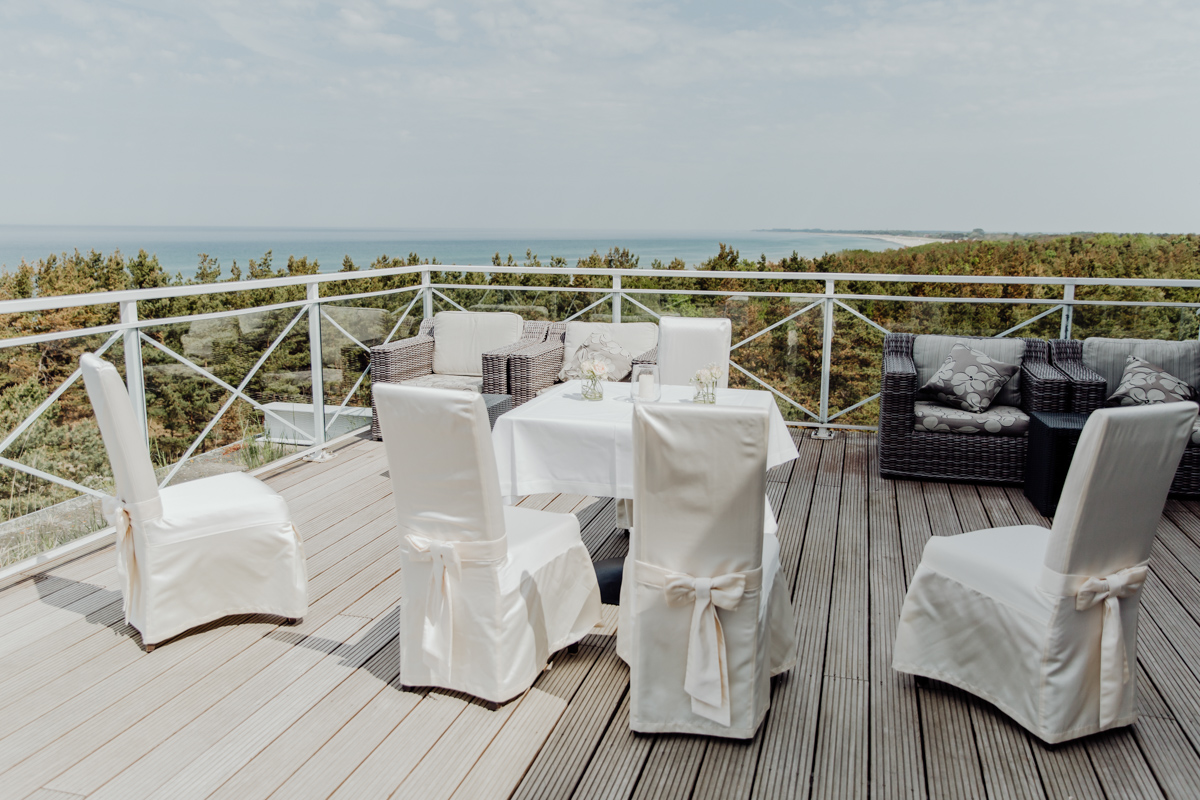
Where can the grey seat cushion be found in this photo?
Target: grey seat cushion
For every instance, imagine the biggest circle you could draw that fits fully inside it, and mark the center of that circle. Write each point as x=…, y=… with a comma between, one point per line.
x=930, y=351
x=998, y=420
x=1108, y=357
x=469, y=383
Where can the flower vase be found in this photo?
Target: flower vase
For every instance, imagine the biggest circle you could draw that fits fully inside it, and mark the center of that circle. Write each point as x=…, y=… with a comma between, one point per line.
x=591, y=389
x=706, y=392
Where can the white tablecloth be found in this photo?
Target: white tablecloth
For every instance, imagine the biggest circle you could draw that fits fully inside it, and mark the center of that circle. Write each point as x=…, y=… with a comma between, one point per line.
x=559, y=442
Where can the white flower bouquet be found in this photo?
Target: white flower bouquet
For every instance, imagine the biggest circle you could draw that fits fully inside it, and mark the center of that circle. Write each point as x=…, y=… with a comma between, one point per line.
x=593, y=371
x=705, y=381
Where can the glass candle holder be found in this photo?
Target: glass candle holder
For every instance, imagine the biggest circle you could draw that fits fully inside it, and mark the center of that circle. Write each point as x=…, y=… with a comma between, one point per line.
x=645, y=386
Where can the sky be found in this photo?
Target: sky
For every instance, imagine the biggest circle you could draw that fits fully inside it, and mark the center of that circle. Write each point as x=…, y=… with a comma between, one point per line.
x=602, y=114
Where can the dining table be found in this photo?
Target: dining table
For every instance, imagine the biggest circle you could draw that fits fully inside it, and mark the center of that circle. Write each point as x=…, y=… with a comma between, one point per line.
x=559, y=442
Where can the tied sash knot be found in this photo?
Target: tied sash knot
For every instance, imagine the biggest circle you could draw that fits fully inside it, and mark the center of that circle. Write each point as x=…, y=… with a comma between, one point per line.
x=437, y=634
x=117, y=515
x=707, y=677
x=1114, y=664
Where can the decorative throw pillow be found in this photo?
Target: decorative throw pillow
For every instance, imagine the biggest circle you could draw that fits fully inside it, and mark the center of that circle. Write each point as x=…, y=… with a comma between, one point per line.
x=1145, y=384
x=600, y=345
x=968, y=379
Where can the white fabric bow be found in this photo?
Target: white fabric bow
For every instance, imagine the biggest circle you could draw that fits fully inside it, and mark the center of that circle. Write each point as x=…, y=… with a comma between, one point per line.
x=437, y=636
x=117, y=515
x=707, y=676
x=1114, y=666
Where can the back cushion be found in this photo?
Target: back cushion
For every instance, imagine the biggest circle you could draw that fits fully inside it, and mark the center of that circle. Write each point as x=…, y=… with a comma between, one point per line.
x=930, y=351
x=634, y=338
x=1107, y=357
x=462, y=337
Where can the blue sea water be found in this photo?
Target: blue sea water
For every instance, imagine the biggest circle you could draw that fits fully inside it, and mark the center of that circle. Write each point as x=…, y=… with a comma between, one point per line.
x=178, y=248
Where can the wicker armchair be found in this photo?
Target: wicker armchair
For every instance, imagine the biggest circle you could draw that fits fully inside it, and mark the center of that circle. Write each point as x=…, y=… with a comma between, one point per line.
x=535, y=367
x=410, y=358
x=907, y=453
x=1089, y=391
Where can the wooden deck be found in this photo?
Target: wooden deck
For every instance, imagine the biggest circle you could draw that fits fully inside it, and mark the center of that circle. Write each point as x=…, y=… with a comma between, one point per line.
x=247, y=709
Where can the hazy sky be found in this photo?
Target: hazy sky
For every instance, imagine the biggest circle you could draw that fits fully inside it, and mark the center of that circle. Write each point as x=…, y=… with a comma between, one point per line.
x=1018, y=116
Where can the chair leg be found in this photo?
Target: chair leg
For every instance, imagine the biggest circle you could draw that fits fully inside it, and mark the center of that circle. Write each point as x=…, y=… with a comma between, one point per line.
x=573, y=648
x=149, y=647
x=293, y=620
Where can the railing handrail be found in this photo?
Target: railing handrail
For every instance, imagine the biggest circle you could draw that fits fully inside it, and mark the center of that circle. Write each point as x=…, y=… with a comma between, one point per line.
x=53, y=302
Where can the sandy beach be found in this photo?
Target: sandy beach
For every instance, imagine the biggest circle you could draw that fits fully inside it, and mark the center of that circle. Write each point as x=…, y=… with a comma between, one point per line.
x=902, y=241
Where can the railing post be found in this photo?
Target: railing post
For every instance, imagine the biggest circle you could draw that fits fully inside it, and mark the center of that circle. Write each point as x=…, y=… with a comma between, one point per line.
x=616, y=315
x=317, y=361
x=825, y=432
x=427, y=294
x=1068, y=316
x=135, y=378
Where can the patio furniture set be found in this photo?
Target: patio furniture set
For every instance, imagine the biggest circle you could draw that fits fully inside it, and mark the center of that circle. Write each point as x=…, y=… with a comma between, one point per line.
x=1027, y=434
x=1040, y=622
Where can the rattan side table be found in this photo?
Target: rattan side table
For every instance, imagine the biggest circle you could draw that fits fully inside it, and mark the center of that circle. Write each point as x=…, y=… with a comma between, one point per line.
x=497, y=404
x=1052, y=440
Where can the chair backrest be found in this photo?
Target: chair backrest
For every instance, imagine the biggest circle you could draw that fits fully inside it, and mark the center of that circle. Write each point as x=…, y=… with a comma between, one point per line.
x=462, y=337
x=128, y=453
x=699, y=480
x=1116, y=487
x=686, y=344
x=439, y=450
x=1107, y=357
x=929, y=351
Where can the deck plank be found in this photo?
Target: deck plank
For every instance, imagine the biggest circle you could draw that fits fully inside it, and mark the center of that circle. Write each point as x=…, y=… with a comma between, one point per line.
x=245, y=709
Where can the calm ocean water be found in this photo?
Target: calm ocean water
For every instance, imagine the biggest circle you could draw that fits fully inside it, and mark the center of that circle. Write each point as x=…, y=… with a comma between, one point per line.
x=178, y=248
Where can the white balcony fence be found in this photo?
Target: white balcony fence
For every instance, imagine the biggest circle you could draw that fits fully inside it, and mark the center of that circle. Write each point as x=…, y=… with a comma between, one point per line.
x=1058, y=301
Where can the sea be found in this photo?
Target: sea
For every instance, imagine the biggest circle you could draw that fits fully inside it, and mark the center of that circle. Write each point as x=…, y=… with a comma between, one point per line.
x=178, y=248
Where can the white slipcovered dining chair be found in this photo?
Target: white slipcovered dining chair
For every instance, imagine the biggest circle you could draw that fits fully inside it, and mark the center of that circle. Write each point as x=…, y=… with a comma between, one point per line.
x=705, y=618
x=1042, y=622
x=198, y=551
x=686, y=344
x=488, y=591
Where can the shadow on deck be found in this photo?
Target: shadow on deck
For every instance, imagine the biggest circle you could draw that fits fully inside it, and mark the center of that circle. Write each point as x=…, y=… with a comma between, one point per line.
x=244, y=708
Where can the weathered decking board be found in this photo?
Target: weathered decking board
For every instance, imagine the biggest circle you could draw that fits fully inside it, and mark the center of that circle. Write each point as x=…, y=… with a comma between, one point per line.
x=246, y=709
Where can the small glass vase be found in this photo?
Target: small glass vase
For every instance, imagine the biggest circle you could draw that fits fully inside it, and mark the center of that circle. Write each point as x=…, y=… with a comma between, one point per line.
x=705, y=393
x=591, y=389
x=644, y=384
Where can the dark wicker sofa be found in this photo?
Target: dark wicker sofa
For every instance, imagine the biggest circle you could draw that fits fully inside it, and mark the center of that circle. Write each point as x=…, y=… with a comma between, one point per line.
x=926, y=455
x=1090, y=389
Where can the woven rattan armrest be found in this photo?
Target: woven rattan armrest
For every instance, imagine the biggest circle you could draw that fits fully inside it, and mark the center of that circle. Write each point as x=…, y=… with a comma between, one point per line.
x=1087, y=386
x=648, y=357
x=1044, y=388
x=495, y=362
x=533, y=368
x=399, y=361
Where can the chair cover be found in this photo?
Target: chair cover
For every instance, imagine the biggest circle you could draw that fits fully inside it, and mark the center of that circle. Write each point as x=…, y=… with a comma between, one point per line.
x=198, y=551
x=1043, y=622
x=686, y=344
x=700, y=625
x=488, y=591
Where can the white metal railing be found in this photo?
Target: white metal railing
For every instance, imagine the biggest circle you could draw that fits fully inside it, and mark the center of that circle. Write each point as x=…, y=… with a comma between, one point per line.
x=131, y=327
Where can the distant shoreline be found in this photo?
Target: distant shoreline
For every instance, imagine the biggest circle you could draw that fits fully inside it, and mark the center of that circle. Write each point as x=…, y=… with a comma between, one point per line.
x=898, y=239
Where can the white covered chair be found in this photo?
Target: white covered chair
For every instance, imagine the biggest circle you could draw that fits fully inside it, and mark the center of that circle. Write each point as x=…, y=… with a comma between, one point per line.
x=488, y=591
x=705, y=618
x=198, y=551
x=686, y=344
x=1043, y=622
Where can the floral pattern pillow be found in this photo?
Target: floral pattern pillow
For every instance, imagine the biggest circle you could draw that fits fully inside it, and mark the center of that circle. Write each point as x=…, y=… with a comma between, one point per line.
x=968, y=379
x=601, y=346
x=1145, y=384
